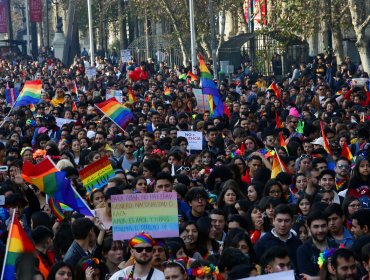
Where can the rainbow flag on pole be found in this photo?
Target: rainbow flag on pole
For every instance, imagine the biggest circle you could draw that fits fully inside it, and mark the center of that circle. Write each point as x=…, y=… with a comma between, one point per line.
x=114, y=110
x=131, y=96
x=346, y=152
x=274, y=87
x=18, y=243
x=30, y=94
x=209, y=87
x=96, y=175
x=277, y=166
x=326, y=142
x=43, y=175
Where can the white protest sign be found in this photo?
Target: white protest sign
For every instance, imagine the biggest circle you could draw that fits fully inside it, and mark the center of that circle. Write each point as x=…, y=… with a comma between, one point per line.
x=125, y=55
x=60, y=121
x=91, y=72
x=114, y=93
x=202, y=101
x=195, y=139
x=284, y=275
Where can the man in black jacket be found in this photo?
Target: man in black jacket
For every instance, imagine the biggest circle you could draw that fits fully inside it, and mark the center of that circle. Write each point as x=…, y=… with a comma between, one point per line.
x=308, y=253
x=280, y=235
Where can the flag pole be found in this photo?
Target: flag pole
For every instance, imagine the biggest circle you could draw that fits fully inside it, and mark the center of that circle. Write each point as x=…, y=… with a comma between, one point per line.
x=7, y=116
x=83, y=201
x=8, y=243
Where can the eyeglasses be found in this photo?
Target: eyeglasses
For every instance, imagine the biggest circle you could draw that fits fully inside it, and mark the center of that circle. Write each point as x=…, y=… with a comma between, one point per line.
x=343, y=166
x=305, y=156
x=141, y=249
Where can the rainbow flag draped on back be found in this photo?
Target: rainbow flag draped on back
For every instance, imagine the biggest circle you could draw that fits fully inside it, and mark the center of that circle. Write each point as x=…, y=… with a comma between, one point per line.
x=209, y=87
x=18, y=243
x=114, y=110
x=43, y=175
x=30, y=94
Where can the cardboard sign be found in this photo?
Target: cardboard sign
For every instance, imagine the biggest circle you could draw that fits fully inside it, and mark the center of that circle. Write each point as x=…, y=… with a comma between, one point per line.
x=195, y=139
x=154, y=213
x=114, y=93
x=284, y=275
x=202, y=101
x=125, y=56
x=60, y=121
x=91, y=72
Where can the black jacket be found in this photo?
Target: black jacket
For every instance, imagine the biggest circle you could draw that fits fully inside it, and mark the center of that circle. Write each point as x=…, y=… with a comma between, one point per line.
x=269, y=240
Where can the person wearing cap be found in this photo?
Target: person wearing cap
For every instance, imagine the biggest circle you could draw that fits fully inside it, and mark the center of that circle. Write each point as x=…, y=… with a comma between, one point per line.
x=318, y=143
x=141, y=248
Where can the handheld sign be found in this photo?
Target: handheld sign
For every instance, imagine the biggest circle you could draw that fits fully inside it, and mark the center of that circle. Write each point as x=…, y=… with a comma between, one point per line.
x=195, y=139
x=154, y=213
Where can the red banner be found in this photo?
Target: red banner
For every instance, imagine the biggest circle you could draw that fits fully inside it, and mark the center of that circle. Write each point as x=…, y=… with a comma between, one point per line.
x=36, y=10
x=3, y=17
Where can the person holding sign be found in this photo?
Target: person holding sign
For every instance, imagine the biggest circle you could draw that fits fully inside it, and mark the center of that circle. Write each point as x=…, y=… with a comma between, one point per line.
x=142, y=251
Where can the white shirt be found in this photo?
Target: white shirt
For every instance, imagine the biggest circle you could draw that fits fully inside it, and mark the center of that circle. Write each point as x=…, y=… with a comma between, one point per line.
x=124, y=273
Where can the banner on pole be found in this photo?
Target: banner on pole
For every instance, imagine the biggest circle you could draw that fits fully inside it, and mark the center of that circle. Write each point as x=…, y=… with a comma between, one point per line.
x=154, y=213
x=36, y=10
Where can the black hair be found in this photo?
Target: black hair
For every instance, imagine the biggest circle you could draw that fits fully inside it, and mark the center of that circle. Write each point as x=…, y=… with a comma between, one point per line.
x=41, y=218
x=362, y=217
x=112, y=191
x=272, y=253
x=196, y=192
x=54, y=269
x=342, y=253
x=81, y=228
x=334, y=209
x=230, y=258
x=164, y=176
x=283, y=209
x=41, y=233
x=316, y=215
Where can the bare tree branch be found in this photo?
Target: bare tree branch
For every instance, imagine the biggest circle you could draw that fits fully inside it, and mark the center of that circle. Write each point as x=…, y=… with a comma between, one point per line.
x=364, y=24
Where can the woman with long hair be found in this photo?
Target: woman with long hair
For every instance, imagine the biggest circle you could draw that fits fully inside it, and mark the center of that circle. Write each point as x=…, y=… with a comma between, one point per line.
x=359, y=182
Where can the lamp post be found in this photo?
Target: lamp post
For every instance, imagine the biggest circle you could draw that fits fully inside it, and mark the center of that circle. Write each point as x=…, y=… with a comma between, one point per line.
x=59, y=40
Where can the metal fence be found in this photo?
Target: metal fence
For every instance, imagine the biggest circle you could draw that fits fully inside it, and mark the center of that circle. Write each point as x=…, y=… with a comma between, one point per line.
x=159, y=47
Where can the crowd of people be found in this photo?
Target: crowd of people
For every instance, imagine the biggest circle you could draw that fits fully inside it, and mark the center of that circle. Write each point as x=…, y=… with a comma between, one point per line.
x=236, y=219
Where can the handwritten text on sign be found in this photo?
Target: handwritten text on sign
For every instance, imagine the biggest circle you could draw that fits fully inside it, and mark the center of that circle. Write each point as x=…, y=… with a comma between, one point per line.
x=155, y=213
x=195, y=139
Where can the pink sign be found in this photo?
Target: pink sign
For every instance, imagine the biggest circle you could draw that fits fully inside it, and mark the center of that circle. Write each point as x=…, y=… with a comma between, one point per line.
x=35, y=10
x=3, y=17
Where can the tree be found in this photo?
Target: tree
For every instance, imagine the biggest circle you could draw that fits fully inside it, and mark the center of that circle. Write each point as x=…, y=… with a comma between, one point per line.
x=360, y=20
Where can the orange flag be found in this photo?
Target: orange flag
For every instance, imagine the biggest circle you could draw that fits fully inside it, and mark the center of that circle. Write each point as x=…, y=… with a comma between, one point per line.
x=278, y=121
x=277, y=166
x=326, y=142
x=346, y=152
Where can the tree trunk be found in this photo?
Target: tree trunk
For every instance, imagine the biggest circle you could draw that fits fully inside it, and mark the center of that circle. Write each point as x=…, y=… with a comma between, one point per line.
x=176, y=28
x=359, y=22
x=338, y=44
x=222, y=31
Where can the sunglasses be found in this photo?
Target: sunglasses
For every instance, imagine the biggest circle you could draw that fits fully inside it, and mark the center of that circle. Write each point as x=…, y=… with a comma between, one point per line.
x=146, y=249
x=343, y=166
x=305, y=156
x=129, y=146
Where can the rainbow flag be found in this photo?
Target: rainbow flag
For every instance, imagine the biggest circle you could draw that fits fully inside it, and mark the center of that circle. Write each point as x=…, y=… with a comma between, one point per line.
x=278, y=121
x=277, y=166
x=74, y=106
x=43, y=175
x=11, y=95
x=326, y=143
x=167, y=91
x=346, y=152
x=67, y=195
x=56, y=209
x=282, y=142
x=74, y=90
x=114, y=110
x=362, y=118
x=340, y=183
x=32, y=108
x=209, y=87
x=192, y=77
x=18, y=243
x=131, y=96
x=274, y=87
x=30, y=94
x=96, y=175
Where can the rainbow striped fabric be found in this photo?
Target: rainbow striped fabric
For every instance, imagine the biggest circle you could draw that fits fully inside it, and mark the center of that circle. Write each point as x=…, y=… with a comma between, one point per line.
x=274, y=87
x=131, y=96
x=30, y=94
x=43, y=175
x=277, y=166
x=209, y=87
x=18, y=243
x=56, y=209
x=114, y=110
x=167, y=90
